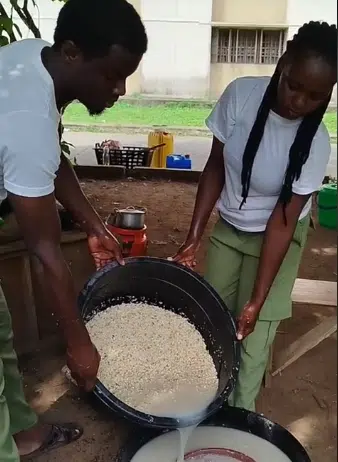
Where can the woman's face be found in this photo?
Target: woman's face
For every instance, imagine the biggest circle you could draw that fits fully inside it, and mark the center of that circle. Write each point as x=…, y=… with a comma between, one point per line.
x=305, y=85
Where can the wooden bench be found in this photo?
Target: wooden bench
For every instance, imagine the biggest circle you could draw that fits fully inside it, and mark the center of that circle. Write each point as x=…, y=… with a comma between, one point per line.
x=322, y=293
x=27, y=300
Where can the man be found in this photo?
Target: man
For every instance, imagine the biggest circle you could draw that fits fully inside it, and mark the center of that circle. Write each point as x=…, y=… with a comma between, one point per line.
x=97, y=45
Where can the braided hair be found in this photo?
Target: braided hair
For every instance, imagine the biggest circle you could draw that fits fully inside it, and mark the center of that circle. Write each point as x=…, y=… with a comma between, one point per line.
x=319, y=39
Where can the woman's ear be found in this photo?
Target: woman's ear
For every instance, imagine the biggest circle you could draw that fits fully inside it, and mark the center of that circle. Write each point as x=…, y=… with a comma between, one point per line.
x=281, y=63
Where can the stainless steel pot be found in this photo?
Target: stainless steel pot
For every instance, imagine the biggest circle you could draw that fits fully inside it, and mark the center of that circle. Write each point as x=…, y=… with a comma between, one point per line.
x=128, y=218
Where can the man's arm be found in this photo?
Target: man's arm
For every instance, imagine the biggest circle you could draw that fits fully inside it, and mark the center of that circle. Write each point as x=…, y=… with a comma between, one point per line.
x=39, y=223
x=103, y=246
x=277, y=239
x=29, y=164
x=69, y=193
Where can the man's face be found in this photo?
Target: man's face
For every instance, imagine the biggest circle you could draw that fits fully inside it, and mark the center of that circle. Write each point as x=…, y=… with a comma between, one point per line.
x=99, y=82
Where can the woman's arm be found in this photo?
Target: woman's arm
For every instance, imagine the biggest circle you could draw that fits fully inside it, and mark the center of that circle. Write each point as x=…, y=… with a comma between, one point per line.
x=277, y=239
x=221, y=123
x=209, y=190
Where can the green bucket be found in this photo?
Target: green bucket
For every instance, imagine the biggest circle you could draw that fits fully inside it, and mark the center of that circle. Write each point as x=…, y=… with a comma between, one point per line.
x=327, y=206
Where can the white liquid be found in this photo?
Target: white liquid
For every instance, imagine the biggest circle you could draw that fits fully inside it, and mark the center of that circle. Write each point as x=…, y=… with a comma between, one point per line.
x=185, y=402
x=182, y=402
x=164, y=448
x=185, y=434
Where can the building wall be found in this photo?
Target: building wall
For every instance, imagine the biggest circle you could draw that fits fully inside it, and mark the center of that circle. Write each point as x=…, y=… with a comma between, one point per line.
x=178, y=60
x=260, y=12
x=301, y=11
x=264, y=13
x=223, y=74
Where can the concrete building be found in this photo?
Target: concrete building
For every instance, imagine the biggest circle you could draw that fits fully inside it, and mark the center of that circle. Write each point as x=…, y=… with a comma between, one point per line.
x=196, y=47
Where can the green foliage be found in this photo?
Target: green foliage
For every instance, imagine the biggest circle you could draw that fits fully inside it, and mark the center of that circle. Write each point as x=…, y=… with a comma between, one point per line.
x=66, y=149
x=9, y=31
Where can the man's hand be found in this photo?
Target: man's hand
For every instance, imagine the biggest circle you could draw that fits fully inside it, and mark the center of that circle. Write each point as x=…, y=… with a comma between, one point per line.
x=187, y=254
x=104, y=248
x=247, y=320
x=83, y=361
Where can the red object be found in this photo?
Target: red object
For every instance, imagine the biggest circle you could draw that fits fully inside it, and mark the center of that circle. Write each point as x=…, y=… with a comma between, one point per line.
x=228, y=453
x=134, y=242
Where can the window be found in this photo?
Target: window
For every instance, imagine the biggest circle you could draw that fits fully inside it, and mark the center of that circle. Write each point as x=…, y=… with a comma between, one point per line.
x=247, y=46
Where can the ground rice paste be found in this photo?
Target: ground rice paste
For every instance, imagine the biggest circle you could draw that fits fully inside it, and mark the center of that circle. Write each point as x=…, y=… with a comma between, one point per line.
x=241, y=447
x=153, y=360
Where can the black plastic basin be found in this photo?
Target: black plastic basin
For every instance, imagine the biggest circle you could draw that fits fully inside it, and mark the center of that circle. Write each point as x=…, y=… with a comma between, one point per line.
x=230, y=417
x=182, y=291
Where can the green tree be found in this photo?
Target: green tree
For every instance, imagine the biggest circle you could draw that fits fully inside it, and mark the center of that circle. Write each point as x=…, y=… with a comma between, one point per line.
x=9, y=31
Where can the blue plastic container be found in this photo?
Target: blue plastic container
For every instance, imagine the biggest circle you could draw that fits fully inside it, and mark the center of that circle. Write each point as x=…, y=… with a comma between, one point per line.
x=179, y=162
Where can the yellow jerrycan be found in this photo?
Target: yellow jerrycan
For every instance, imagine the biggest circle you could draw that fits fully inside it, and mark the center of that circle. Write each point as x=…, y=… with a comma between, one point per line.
x=158, y=136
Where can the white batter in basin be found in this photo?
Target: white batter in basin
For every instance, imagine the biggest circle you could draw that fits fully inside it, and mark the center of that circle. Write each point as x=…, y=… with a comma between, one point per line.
x=248, y=447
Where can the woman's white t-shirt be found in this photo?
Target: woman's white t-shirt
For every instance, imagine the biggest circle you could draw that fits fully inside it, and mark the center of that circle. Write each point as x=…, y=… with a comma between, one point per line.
x=231, y=122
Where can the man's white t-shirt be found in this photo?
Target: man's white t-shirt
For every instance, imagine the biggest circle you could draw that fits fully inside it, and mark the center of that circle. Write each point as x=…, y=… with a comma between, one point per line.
x=231, y=122
x=29, y=121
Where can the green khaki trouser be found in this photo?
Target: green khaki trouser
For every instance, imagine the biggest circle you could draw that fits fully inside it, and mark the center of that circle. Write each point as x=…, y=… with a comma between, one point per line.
x=232, y=264
x=15, y=414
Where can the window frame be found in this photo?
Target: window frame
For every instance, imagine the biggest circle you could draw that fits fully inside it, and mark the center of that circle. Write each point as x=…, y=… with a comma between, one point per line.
x=223, y=50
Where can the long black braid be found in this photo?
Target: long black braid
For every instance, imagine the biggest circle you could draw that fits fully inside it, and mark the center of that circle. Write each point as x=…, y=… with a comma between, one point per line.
x=320, y=39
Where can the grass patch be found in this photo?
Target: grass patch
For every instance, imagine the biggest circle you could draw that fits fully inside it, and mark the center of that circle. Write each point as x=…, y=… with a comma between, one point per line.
x=170, y=114
x=330, y=120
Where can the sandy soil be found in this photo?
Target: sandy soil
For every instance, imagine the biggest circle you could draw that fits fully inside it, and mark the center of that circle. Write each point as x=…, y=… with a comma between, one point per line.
x=303, y=398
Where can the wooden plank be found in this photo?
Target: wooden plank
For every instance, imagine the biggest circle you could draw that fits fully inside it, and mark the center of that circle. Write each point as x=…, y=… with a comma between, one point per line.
x=315, y=292
x=305, y=343
x=100, y=172
x=67, y=237
x=268, y=372
x=32, y=331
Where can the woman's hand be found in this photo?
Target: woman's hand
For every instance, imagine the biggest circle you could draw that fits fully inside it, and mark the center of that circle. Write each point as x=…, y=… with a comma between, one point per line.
x=104, y=248
x=247, y=320
x=187, y=254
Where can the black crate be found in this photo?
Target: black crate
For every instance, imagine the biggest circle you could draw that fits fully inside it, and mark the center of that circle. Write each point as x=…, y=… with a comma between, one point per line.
x=128, y=157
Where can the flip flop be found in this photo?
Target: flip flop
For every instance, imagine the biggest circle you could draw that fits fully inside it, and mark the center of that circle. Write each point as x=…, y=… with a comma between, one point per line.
x=59, y=436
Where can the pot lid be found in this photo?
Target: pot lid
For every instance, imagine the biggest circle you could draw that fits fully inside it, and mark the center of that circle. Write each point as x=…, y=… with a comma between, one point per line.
x=130, y=210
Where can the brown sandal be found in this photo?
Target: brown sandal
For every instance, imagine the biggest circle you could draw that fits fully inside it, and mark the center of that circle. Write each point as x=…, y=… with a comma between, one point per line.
x=59, y=436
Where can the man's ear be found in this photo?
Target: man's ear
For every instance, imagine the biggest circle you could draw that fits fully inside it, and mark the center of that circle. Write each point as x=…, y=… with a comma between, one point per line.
x=70, y=52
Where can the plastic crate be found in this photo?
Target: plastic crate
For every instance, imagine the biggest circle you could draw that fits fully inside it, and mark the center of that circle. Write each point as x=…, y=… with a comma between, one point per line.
x=128, y=156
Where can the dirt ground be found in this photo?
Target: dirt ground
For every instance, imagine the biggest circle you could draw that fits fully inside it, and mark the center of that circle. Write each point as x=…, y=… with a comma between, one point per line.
x=303, y=398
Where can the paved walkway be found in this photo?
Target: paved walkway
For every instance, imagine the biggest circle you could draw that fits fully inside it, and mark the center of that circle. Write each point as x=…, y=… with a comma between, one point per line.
x=197, y=147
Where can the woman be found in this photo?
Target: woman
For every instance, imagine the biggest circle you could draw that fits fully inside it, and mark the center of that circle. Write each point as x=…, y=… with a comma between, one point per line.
x=269, y=154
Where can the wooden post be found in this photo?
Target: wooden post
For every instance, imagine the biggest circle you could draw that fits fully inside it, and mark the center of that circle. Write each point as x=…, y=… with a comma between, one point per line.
x=305, y=343
x=32, y=331
x=268, y=376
